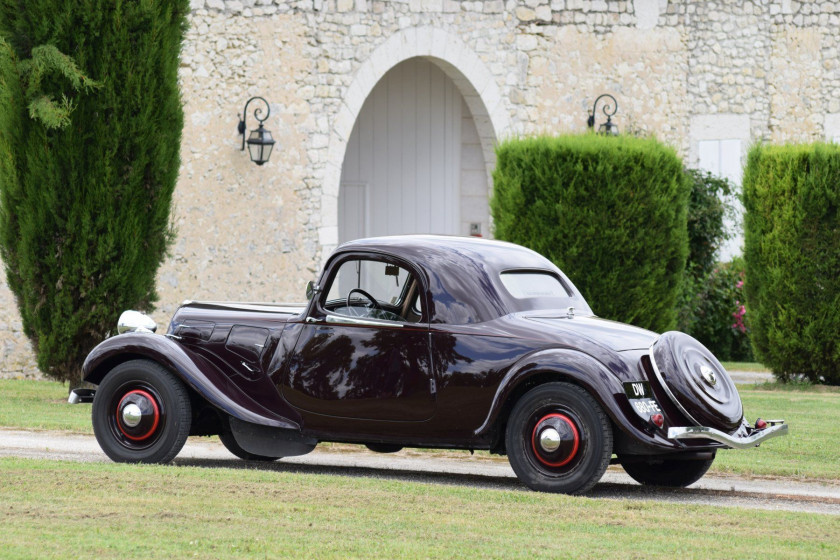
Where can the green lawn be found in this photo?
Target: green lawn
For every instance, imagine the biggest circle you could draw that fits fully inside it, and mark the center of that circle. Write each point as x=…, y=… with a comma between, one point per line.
x=810, y=451
x=745, y=366
x=41, y=405
x=52, y=509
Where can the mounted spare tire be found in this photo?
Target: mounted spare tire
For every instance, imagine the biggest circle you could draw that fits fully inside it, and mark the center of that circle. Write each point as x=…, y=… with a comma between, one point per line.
x=696, y=382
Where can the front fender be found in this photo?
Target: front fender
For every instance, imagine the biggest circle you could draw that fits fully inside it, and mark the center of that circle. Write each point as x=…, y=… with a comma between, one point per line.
x=191, y=368
x=583, y=370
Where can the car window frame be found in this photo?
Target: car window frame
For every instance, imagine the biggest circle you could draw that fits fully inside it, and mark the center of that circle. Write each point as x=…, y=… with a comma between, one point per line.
x=331, y=273
x=575, y=299
x=566, y=288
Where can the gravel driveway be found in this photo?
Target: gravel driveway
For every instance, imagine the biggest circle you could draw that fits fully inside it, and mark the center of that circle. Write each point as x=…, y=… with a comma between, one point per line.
x=449, y=468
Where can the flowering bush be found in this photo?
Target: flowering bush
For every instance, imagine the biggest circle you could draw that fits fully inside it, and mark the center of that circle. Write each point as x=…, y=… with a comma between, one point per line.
x=713, y=311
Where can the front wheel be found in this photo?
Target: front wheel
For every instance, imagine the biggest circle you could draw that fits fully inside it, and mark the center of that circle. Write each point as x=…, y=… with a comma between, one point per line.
x=676, y=473
x=558, y=439
x=141, y=413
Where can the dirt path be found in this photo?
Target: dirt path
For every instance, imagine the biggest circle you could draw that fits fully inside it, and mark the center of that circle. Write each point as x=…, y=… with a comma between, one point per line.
x=784, y=495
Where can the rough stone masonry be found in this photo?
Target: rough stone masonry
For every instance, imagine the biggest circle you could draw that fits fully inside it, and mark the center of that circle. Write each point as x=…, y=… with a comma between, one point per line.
x=687, y=71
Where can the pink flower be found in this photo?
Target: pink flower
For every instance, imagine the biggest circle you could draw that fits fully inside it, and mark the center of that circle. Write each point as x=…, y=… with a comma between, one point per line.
x=739, y=318
x=740, y=284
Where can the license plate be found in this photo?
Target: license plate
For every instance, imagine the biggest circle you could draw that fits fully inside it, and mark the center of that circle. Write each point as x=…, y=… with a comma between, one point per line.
x=641, y=398
x=638, y=390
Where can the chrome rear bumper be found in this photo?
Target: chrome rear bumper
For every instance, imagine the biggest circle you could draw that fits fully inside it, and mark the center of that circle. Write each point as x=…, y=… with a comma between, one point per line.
x=81, y=396
x=777, y=428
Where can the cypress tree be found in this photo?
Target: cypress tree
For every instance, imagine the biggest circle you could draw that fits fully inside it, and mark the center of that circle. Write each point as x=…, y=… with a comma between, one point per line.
x=90, y=132
x=792, y=252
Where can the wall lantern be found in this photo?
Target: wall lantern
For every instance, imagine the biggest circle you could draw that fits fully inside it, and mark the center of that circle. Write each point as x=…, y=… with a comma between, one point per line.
x=608, y=127
x=260, y=141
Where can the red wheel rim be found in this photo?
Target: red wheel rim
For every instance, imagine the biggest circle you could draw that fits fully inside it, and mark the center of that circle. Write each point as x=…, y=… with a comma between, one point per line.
x=150, y=415
x=564, y=427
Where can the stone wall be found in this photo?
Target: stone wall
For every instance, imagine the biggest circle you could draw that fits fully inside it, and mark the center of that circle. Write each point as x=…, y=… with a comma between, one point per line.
x=523, y=66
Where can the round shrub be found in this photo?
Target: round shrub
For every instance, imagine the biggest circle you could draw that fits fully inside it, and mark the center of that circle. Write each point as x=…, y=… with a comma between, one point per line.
x=609, y=211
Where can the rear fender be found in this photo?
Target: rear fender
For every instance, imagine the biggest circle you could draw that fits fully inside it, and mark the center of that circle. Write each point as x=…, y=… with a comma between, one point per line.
x=574, y=367
x=192, y=369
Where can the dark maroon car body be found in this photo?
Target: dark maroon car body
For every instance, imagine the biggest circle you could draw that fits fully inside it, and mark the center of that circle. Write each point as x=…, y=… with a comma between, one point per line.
x=282, y=378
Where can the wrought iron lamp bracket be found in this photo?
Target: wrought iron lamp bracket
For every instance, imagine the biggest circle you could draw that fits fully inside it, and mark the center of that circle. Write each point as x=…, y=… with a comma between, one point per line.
x=257, y=112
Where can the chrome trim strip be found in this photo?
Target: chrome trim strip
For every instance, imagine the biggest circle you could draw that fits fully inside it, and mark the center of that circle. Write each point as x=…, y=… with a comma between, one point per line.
x=357, y=321
x=665, y=385
x=290, y=308
x=703, y=432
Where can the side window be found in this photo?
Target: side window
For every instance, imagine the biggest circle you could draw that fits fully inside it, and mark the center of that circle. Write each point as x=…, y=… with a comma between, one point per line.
x=373, y=289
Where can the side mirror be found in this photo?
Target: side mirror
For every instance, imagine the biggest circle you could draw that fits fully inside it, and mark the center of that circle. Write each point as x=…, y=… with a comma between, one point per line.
x=311, y=290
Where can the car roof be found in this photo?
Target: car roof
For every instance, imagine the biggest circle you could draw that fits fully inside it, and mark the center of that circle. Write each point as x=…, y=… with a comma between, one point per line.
x=500, y=255
x=462, y=273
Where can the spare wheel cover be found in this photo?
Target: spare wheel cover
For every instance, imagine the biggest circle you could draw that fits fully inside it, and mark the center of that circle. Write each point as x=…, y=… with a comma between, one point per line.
x=696, y=382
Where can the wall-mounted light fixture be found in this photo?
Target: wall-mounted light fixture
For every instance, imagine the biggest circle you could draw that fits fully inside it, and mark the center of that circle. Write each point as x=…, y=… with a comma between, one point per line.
x=260, y=141
x=608, y=127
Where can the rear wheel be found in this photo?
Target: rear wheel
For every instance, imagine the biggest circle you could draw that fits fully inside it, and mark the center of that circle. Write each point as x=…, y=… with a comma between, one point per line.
x=229, y=441
x=558, y=439
x=676, y=473
x=141, y=413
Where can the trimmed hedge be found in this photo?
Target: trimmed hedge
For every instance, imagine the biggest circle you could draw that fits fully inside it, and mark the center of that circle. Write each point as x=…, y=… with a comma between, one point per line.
x=609, y=211
x=792, y=251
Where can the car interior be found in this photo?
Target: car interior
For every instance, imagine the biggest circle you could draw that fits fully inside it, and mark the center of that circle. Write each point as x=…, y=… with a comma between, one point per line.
x=373, y=289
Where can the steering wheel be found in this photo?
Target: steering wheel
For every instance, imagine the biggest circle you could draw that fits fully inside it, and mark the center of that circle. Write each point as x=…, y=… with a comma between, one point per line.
x=373, y=303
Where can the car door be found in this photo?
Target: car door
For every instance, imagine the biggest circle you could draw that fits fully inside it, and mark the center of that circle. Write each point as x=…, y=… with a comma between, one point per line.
x=363, y=350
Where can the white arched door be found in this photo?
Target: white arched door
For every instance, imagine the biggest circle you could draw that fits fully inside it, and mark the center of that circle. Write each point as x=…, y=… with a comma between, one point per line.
x=413, y=162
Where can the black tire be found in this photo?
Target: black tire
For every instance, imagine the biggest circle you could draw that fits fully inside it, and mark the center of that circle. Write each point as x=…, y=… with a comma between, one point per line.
x=675, y=473
x=583, y=456
x=229, y=441
x=165, y=414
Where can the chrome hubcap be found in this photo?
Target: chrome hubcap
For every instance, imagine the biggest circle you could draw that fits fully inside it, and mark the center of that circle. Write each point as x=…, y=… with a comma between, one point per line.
x=555, y=440
x=138, y=416
x=708, y=375
x=550, y=440
x=132, y=415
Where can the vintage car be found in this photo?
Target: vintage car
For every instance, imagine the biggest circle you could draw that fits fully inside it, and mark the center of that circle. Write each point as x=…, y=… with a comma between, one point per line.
x=423, y=341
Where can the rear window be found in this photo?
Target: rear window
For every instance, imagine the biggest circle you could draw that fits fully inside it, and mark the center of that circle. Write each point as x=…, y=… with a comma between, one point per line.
x=523, y=285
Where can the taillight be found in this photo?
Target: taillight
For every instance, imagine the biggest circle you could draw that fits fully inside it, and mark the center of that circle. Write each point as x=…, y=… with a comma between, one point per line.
x=657, y=420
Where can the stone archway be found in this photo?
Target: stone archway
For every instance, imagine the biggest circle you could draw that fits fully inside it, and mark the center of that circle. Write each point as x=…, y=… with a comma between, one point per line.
x=414, y=161
x=469, y=74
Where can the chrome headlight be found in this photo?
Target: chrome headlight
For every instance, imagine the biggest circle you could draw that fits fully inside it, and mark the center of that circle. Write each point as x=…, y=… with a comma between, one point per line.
x=135, y=321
